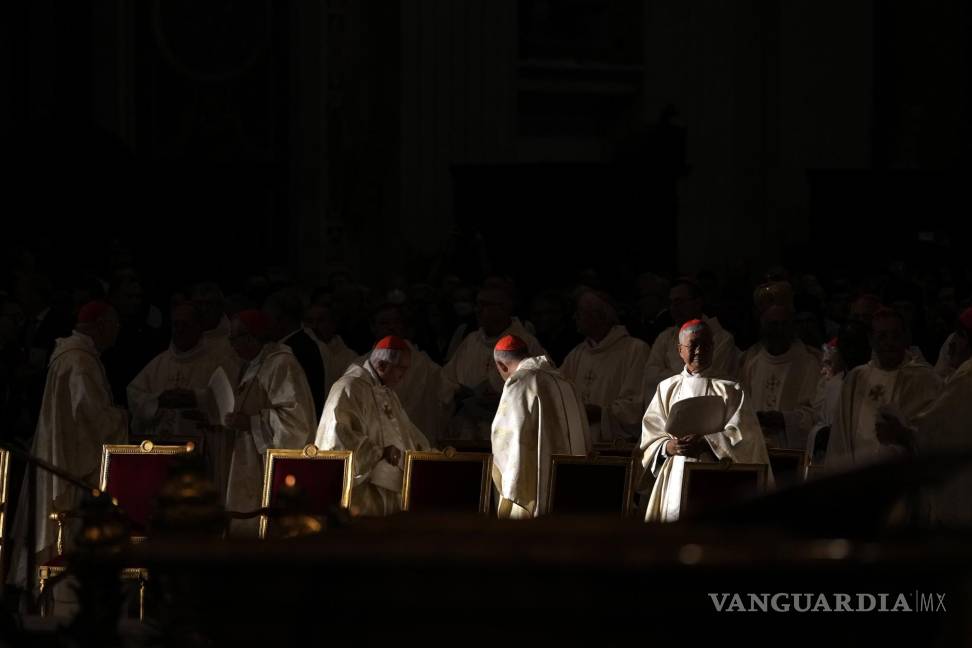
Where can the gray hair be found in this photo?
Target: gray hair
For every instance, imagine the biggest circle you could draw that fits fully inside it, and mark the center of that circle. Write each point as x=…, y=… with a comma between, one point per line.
x=509, y=357
x=695, y=328
x=391, y=356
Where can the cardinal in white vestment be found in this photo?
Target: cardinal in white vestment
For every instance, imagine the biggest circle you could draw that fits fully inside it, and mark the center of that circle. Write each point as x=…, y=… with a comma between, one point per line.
x=540, y=414
x=664, y=361
x=363, y=414
x=739, y=438
x=424, y=391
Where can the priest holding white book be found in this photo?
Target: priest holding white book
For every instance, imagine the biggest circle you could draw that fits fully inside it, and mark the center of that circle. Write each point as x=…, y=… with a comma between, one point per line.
x=731, y=432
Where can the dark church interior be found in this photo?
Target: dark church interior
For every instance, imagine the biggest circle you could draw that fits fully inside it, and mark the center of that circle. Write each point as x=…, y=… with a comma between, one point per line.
x=299, y=297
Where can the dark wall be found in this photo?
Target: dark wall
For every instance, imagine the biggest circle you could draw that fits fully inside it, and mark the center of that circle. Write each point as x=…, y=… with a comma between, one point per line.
x=291, y=132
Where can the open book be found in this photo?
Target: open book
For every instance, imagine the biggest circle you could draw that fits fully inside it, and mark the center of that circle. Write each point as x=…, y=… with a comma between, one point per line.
x=696, y=415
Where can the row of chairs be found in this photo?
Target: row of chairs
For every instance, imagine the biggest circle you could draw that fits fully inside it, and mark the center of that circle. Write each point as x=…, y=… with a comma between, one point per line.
x=450, y=481
x=440, y=482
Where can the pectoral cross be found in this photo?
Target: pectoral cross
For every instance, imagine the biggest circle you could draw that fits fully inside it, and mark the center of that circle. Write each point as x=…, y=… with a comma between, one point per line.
x=588, y=379
x=386, y=408
x=876, y=393
x=771, y=386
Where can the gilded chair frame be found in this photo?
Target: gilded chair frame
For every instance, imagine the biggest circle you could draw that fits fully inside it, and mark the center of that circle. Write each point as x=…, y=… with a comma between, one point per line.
x=450, y=455
x=628, y=463
x=145, y=447
x=46, y=573
x=309, y=452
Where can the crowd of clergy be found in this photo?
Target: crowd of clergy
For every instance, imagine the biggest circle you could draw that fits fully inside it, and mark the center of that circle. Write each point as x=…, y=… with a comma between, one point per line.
x=852, y=374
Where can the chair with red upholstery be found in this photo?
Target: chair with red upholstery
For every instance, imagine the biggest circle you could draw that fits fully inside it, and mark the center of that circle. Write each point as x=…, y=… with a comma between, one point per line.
x=600, y=485
x=707, y=485
x=134, y=474
x=447, y=482
x=324, y=478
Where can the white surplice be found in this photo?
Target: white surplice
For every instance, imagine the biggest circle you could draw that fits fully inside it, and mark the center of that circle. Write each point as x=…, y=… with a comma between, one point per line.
x=540, y=414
